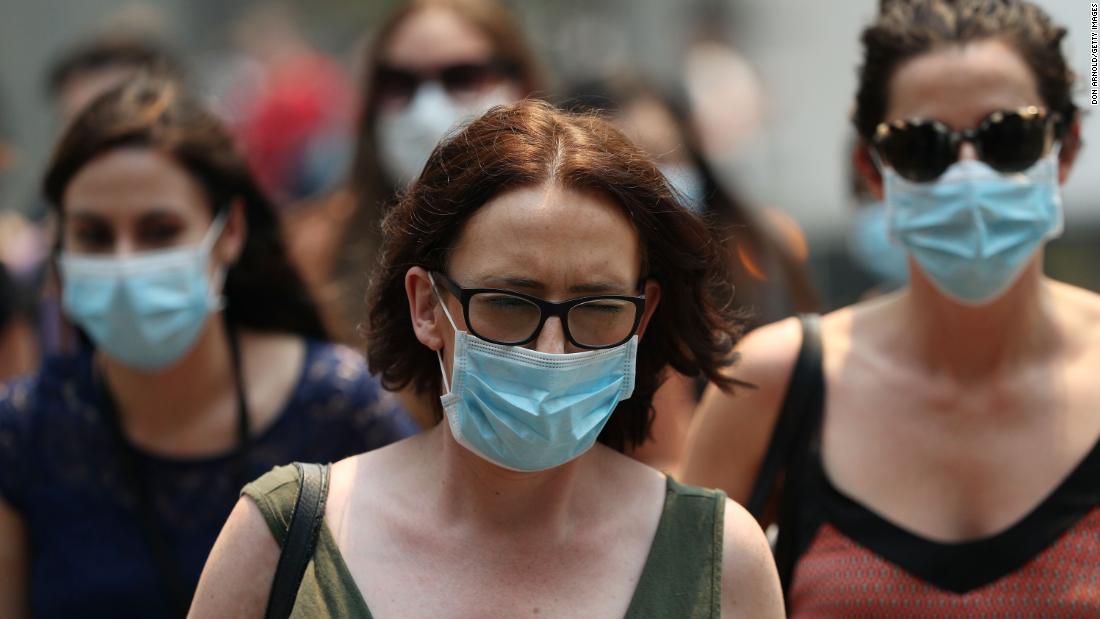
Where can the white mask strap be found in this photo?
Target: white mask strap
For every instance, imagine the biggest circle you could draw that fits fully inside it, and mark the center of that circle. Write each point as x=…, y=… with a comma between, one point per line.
x=214, y=232
x=443, y=370
x=447, y=313
x=439, y=297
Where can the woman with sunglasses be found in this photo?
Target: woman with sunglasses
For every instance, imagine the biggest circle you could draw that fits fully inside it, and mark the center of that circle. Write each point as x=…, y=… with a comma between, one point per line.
x=431, y=65
x=934, y=451
x=537, y=281
x=206, y=365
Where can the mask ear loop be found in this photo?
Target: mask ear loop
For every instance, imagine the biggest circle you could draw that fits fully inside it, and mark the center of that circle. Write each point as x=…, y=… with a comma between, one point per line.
x=206, y=247
x=447, y=313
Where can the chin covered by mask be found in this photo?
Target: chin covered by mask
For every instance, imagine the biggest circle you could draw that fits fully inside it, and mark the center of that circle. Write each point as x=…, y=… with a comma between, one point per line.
x=973, y=230
x=145, y=310
x=406, y=137
x=527, y=410
x=874, y=251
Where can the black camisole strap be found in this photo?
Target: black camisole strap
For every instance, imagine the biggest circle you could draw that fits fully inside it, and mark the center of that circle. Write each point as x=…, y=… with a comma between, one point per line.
x=785, y=463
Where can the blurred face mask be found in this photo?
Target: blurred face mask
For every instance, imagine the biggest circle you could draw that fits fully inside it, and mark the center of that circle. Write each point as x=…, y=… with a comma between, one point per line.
x=407, y=136
x=145, y=310
x=687, y=182
x=527, y=410
x=973, y=229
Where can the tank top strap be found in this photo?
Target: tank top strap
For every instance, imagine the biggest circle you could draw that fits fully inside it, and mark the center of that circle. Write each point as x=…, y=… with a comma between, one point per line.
x=327, y=588
x=682, y=576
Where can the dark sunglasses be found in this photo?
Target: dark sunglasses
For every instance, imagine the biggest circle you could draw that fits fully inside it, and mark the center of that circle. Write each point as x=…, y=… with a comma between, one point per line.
x=397, y=85
x=1009, y=141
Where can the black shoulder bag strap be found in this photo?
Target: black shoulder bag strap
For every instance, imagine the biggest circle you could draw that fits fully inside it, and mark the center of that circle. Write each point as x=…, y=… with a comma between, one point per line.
x=785, y=463
x=301, y=539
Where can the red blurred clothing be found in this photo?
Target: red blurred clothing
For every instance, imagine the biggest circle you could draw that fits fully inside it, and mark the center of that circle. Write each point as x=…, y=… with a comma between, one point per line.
x=304, y=107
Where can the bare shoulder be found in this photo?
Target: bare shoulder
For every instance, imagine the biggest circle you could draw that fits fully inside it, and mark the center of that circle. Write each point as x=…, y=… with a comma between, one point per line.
x=237, y=578
x=750, y=583
x=730, y=430
x=366, y=484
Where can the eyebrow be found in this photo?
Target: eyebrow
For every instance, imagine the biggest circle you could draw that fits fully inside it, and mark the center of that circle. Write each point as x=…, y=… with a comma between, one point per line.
x=531, y=284
x=154, y=213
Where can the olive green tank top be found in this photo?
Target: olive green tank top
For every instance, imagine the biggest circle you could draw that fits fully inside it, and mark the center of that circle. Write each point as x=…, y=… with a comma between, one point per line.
x=681, y=578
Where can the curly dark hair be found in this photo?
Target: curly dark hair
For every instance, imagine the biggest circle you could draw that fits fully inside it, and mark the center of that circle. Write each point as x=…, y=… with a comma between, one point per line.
x=692, y=330
x=908, y=28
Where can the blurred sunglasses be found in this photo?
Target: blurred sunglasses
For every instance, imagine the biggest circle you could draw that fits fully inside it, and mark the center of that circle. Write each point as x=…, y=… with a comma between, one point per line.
x=920, y=150
x=397, y=85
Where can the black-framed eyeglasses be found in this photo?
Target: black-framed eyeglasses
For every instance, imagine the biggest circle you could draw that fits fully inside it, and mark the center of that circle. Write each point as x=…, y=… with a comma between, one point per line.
x=515, y=319
x=1009, y=141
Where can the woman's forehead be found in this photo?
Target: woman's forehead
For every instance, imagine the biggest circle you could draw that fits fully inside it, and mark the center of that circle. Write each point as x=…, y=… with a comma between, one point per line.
x=549, y=234
x=436, y=36
x=132, y=180
x=961, y=84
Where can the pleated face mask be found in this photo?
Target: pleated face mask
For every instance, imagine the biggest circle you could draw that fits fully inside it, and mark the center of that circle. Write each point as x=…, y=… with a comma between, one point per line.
x=145, y=310
x=527, y=410
x=974, y=229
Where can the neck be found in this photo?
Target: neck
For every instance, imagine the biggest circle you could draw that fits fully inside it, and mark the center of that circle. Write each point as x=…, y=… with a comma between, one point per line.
x=480, y=494
x=159, y=403
x=972, y=342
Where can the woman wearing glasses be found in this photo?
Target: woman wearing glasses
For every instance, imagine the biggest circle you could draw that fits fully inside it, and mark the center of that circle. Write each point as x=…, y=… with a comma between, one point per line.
x=537, y=280
x=935, y=452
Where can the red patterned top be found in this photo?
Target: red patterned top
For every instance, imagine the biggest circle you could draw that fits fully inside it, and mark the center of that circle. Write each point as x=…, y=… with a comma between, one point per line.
x=840, y=558
x=837, y=577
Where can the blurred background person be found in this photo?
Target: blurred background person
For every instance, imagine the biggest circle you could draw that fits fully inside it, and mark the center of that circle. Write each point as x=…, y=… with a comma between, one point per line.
x=20, y=249
x=206, y=364
x=290, y=105
x=431, y=66
x=939, y=443
x=770, y=278
x=78, y=75
x=100, y=63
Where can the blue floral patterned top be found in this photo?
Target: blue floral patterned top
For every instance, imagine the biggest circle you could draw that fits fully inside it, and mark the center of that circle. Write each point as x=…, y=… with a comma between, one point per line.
x=61, y=470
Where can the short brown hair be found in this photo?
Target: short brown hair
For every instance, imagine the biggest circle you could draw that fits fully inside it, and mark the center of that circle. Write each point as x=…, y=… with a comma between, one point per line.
x=693, y=329
x=908, y=28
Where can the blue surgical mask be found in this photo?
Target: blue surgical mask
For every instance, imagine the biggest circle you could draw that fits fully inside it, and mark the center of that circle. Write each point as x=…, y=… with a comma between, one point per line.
x=874, y=251
x=973, y=230
x=527, y=410
x=688, y=183
x=144, y=310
